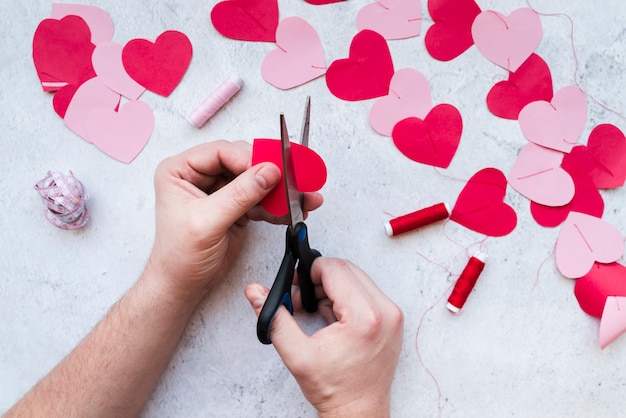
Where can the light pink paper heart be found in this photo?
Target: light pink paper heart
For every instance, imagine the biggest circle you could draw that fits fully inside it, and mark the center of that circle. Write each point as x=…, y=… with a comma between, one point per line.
x=393, y=19
x=98, y=20
x=108, y=65
x=409, y=96
x=299, y=57
x=613, y=322
x=583, y=240
x=537, y=174
x=91, y=94
x=507, y=41
x=556, y=124
x=123, y=134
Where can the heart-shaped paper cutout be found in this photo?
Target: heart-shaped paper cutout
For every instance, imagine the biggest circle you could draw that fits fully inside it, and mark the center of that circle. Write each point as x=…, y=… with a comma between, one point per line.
x=107, y=63
x=583, y=240
x=246, y=20
x=602, y=281
x=62, y=52
x=538, y=175
x=480, y=205
x=607, y=148
x=310, y=171
x=431, y=141
x=451, y=34
x=158, y=66
x=299, y=57
x=366, y=73
x=98, y=20
x=556, y=124
x=409, y=96
x=62, y=99
x=393, y=19
x=613, y=323
x=507, y=41
x=122, y=134
x=531, y=82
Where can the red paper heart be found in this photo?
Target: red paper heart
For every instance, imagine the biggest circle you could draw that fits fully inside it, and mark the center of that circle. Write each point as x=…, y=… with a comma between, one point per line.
x=480, y=206
x=158, y=66
x=531, y=82
x=246, y=20
x=62, y=52
x=366, y=73
x=603, y=280
x=433, y=140
x=310, y=171
x=62, y=99
x=607, y=148
x=451, y=35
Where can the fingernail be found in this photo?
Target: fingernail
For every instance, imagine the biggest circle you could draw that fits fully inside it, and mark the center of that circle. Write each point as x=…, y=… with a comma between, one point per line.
x=267, y=176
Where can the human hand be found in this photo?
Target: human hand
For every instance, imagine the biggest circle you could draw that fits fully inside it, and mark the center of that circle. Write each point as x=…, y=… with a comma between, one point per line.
x=346, y=368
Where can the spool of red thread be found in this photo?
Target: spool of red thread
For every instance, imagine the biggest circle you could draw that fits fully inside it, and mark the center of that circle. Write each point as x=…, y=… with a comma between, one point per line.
x=466, y=282
x=417, y=219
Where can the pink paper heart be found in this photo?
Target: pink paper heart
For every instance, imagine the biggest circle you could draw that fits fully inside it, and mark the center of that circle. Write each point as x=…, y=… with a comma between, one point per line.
x=108, y=65
x=90, y=95
x=98, y=20
x=122, y=134
x=507, y=41
x=583, y=240
x=393, y=19
x=613, y=323
x=299, y=57
x=537, y=174
x=602, y=281
x=409, y=96
x=556, y=124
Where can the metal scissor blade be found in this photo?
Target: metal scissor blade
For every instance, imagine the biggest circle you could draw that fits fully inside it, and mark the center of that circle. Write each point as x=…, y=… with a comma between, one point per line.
x=304, y=133
x=289, y=177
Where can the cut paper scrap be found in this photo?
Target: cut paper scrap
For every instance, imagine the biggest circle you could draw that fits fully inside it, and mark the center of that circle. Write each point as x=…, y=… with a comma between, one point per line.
x=583, y=240
x=537, y=174
x=602, y=281
x=607, y=148
x=409, y=96
x=310, y=171
x=108, y=65
x=507, y=41
x=158, y=66
x=122, y=134
x=480, y=205
x=393, y=19
x=246, y=20
x=531, y=82
x=298, y=58
x=556, y=124
x=62, y=52
x=366, y=73
x=98, y=20
x=431, y=141
x=613, y=322
x=451, y=33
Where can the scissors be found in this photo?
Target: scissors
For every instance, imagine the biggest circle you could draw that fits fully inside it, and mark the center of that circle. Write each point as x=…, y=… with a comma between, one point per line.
x=297, y=249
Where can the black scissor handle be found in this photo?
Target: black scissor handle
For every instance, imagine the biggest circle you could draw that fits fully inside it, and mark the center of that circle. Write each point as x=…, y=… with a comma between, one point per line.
x=305, y=256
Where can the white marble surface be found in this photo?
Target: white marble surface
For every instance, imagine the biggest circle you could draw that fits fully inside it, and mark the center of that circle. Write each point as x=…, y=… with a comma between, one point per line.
x=522, y=347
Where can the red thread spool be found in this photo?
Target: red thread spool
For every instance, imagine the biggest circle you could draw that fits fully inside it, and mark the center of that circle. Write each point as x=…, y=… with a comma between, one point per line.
x=417, y=219
x=466, y=282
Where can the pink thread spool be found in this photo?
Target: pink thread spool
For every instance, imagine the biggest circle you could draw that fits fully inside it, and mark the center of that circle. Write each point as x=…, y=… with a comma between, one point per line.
x=417, y=219
x=466, y=282
x=218, y=98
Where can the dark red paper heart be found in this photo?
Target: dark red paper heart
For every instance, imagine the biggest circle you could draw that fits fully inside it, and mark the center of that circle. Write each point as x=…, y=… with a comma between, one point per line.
x=531, y=82
x=158, y=66
x=602, y=281
x=480, y=205
x=246, y=20
x=310, y=171
x=62, y=99
x=62, y=52
x=451, y=34
x=431, y=141
x=367, y=71
x=607, y=148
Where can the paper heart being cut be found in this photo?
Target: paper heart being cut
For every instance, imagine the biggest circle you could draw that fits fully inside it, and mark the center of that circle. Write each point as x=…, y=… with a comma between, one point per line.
x=393, y=19
x=158, y=66
x=583, y=240
x=602, y=281
x=107, y=63
x=451, y=33
x=531, y=82
x=613, y=323
x=299, y=57
x=310, y=171
x=431, y=141
x=98, y=20
x=246, y=20
x=607, y=148
x=480, y=205
x=409, y=96
x=366, y=73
